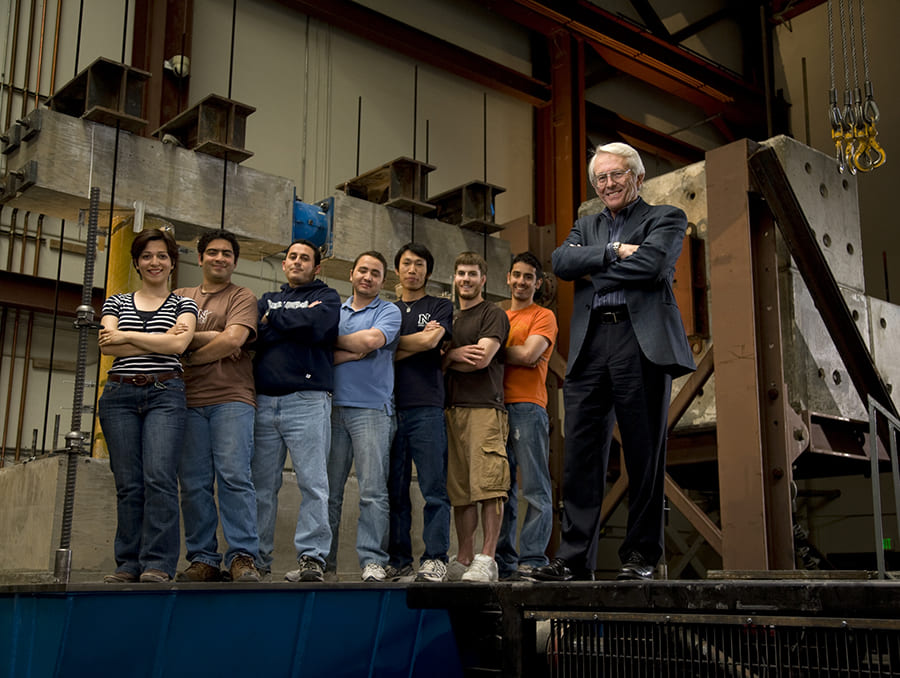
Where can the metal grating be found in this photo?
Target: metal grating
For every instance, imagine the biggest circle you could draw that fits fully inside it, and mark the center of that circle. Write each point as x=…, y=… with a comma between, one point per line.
x=733, y=647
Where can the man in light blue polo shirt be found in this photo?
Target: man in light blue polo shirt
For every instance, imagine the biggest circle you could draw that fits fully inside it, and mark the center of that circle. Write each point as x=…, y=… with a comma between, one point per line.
x=362, y=413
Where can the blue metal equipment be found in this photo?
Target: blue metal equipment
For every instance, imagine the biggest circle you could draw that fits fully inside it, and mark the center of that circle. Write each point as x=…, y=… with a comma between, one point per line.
x=160, y=631
x=313, y=221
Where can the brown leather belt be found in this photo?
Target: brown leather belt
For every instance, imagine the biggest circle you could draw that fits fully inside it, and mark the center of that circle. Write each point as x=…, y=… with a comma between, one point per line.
x=143, y=379
x=610, y=315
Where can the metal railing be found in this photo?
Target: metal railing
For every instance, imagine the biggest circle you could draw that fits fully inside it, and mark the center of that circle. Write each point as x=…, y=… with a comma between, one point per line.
x=893, y=424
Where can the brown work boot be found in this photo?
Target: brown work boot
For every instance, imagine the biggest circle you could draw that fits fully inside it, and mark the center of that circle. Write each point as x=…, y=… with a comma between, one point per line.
x=154, y=576
x=198, y=571
x=243, y=569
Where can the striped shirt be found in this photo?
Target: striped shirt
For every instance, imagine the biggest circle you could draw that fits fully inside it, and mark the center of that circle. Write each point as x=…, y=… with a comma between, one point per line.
x=153, y=322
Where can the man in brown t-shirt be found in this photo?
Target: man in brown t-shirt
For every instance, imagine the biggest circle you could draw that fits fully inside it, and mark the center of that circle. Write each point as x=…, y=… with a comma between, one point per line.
x=477, y=467
x=218, y=437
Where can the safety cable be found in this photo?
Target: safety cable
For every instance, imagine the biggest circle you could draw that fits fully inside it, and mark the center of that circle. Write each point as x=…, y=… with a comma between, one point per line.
x=853, y=127
x=230, y=81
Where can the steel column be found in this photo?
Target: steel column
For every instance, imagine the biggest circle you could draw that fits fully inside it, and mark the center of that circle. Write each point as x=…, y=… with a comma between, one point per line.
x=739, y=433
x=777, y=433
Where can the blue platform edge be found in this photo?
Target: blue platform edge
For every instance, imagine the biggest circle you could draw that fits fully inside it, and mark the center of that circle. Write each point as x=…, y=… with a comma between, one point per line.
x=280, y=631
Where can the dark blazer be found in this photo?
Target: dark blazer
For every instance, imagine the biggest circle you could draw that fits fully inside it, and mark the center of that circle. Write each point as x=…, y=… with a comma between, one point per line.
x=646, y=278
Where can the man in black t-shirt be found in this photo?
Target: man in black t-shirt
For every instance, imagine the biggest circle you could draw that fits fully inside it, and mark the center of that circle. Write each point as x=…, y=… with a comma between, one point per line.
x=421, y=433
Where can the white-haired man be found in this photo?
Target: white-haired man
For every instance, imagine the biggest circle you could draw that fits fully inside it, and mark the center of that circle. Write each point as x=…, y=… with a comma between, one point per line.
x=627, y=341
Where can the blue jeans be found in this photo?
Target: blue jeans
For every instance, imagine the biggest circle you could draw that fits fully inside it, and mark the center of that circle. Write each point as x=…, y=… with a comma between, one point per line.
x=362, y=435
x=218, y=447
x=299, y=422
x=528, y=447
x=421, y=438
x=143, y=426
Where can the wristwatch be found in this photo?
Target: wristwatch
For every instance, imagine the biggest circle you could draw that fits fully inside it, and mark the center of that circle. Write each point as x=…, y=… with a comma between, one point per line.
x=616, y=245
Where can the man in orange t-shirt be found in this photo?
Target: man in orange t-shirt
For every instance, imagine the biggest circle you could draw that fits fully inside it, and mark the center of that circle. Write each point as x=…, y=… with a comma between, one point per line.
x=532, y=333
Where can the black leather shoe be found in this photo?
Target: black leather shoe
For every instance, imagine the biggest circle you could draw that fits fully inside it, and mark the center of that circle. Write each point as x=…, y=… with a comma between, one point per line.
x=636, y=568
x=557, y=570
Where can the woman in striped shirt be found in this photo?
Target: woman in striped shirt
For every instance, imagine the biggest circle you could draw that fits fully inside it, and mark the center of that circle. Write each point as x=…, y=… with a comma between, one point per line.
x=142, y=410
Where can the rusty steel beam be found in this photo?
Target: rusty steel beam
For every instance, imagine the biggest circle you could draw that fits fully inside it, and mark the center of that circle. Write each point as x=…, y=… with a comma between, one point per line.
x=404, y=39
x=632, y=49
x=29, y=293
x=698, y=519
x=775, y=409
x=680, y=500
x=692, y=513
x=739, y=431
x=560, y=178
x=561, y=167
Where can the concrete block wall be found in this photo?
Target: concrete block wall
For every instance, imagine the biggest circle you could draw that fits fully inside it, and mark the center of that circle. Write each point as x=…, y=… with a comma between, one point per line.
x=31, y=507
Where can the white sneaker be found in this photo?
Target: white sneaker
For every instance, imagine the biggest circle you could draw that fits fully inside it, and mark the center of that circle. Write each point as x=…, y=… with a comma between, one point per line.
x=373, y=572
x=432, y=570
x=455, y=569
x=483, y=568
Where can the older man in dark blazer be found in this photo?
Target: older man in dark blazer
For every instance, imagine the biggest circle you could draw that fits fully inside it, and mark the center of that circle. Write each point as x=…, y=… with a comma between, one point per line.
x=627, y=341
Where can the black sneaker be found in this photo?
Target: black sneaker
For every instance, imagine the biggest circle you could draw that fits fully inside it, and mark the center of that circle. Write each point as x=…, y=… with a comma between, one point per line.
x=557, y=570
x=392, y=573
x=310, y=570
x=635, y=568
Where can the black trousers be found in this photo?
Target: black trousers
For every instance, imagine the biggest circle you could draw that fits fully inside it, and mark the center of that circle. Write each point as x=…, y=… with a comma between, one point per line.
x=613, y=381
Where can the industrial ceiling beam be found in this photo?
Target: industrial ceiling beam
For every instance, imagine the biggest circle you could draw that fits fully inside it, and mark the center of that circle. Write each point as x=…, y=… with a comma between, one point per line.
x=701, y=25
x=651, y=18
x=785, y=10
x=642, y=137
x=632, y=49
x=429, y=49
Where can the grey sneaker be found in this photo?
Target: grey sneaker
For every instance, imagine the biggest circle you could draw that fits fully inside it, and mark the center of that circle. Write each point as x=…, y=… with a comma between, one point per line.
x=483, y=568
x=455, y=569
x=310, y=570
x=392, y=573
x=432, y=570
x=373, y=572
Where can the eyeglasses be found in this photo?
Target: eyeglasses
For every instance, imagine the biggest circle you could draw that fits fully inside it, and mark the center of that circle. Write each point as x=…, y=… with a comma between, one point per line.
x=613, y=176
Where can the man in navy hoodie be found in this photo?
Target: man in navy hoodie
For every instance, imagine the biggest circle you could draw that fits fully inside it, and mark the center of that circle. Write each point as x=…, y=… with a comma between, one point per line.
x=294, y=376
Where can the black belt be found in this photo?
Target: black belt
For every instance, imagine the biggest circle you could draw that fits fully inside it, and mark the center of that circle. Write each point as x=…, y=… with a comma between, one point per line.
x=143, y=379
x=610, y=315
